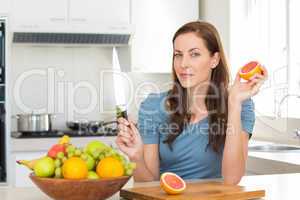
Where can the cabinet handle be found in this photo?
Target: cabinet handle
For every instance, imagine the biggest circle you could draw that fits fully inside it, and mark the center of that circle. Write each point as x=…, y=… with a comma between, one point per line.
x=29, y=26
x=117, y=27
x=57, y=19
x=78, y=20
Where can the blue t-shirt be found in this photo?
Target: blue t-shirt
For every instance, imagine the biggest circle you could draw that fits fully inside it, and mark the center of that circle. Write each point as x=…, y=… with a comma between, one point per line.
x=190, y=157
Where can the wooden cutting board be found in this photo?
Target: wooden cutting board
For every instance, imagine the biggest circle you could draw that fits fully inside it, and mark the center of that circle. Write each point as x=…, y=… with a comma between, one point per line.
x=195, y=191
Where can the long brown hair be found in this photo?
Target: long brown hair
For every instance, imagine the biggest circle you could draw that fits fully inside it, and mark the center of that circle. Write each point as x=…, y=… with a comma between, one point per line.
x=177, y=99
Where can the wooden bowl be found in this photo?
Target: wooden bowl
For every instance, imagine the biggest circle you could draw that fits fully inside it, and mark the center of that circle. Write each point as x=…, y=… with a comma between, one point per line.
x=86, y=189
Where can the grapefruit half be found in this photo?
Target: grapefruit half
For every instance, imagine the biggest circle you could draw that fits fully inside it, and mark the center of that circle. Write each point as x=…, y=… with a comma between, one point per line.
x=171, y=183
x=248, y=71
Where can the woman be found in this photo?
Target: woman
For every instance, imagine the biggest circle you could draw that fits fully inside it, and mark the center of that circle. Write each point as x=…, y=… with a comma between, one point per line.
x=201, y=127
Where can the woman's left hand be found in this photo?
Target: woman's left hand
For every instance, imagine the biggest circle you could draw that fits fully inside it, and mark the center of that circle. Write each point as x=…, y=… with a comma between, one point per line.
x=241, y=91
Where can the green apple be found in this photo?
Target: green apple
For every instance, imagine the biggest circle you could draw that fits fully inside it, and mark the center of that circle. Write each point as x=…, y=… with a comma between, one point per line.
x=44, y=167
x=95, y=146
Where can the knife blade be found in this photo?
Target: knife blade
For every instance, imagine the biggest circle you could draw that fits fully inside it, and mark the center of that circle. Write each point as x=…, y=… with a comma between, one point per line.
x=119, y=90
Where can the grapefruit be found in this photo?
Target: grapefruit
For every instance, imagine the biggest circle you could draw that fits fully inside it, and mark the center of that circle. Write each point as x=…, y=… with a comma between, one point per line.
x=248, y=71
x=171, y=183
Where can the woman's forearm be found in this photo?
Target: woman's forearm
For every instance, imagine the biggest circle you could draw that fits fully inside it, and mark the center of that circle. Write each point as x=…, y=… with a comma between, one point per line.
x=142, y=173
x=234, y=157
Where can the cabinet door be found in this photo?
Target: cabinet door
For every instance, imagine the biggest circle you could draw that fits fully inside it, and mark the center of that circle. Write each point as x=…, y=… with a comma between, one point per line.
x=21, y=173
x=155, y=23
x=33, y=12
x=100, y=11
x=4, y=6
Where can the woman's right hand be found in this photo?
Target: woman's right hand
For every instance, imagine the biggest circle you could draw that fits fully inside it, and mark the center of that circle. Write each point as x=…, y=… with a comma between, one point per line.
x=129, y=140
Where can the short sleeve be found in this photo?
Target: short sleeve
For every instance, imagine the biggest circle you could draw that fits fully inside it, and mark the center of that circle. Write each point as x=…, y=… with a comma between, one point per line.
x=248, y=116
x=149, y=118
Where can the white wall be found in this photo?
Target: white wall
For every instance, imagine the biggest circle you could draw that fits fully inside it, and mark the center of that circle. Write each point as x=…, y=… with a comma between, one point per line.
x=217, y=12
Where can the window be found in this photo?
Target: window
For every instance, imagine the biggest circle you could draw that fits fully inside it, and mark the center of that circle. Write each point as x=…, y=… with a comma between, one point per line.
x=266, y=30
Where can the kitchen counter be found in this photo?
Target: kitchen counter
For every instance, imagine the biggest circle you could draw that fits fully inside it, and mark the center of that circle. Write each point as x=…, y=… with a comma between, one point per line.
x=43, y=144
x=287, y=157
x=291, y=157
x=278, y=187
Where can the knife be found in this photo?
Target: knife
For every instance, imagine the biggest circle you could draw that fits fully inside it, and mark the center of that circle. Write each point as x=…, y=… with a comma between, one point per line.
x=119, y=90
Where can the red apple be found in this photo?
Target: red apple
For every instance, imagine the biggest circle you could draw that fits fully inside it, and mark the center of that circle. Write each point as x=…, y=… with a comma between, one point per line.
x=55, y=149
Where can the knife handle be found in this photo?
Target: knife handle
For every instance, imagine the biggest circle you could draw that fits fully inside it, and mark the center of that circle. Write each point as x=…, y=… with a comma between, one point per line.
x=124, y=114
x=121, y=112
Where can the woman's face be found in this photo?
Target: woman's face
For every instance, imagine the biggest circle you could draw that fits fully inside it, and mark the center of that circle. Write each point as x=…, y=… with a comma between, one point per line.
x=192, y=61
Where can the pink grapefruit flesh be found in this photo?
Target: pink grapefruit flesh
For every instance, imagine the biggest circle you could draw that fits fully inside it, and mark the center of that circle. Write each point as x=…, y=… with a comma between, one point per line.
x=249, y=70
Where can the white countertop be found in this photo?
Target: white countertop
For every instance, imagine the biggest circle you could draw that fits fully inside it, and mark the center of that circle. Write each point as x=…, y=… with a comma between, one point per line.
x=278, y=187
x=43, y=144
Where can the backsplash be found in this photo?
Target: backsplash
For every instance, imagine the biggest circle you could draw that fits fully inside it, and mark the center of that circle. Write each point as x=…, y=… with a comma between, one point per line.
x=71, y=82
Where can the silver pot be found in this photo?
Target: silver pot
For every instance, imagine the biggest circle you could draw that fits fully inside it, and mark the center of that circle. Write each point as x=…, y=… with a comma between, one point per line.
x=34, y=122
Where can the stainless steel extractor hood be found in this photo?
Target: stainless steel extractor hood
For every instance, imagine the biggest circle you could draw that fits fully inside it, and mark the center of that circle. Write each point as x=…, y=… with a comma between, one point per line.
x=68, y=34
x=71, y=38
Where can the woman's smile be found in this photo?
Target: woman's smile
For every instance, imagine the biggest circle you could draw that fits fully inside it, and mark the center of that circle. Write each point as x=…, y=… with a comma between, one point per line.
x=185, y=76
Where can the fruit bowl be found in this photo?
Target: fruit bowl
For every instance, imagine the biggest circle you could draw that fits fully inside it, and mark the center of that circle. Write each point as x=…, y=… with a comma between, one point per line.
x=85, y=189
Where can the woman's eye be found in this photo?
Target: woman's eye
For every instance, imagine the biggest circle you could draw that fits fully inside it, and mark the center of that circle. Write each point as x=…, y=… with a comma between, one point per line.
x=195, y=54
x=177, y=55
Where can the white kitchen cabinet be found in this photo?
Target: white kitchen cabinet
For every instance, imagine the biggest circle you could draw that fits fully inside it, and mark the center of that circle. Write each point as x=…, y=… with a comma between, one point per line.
x=155, y=23
x=60, y=12
x=35, y=12
x=100, y=11
x=20, y=174
x=4, y=6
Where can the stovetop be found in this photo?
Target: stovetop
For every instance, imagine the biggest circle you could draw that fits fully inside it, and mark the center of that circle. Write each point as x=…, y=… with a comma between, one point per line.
x=59, y=133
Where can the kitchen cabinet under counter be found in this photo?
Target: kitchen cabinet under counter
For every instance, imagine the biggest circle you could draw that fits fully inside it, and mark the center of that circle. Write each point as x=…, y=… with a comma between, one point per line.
x=272, y=158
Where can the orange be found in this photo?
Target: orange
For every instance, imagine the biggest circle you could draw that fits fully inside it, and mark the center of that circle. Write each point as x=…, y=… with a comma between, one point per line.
x=75, y=168
x=248, y=71
x=171, y=183
x=110, y=167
